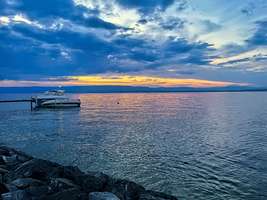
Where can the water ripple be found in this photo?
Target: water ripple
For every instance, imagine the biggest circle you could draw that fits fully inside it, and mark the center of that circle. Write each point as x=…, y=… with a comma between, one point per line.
x=193, y=145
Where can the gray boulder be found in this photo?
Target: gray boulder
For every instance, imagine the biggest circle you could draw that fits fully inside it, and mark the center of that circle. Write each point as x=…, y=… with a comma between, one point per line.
x=59, y=184
x=38, y=191
x=3, y=171
x=16, y=195
x=37, y=169
x=3, y=188
x=102, y=196
x=70, y=194
x=4, y=151
x=92, y=182
x=70, y=172
x=11, y=188
x=10, y=160
x=23, y=183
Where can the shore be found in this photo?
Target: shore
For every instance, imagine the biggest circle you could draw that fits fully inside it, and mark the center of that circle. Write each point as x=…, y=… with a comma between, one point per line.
x=23, y=177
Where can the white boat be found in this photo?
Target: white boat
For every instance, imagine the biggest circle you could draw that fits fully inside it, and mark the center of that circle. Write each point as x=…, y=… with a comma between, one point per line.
x=55, y=99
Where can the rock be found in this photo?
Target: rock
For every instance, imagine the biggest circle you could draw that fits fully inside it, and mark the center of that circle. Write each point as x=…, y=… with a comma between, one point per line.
x=23, y=158
x=38, y=191
x=17, y=195
x=147, y=196
x=23, y=183
x=2, y=178
x=102, y=196
x=2, y=162
x=37, y=169
x=70, y=194
x=3, y=171
x=4, y=151
x=25, y=178
x=92, y=182
x=11, y=188
x=71, y=173
x=59, y=184
x=4, y=167
x=125, y=190
x=10, y=160
x=3, y=188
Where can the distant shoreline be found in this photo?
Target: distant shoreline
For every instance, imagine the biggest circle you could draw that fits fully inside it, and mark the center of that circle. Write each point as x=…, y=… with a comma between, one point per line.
x=131, y=89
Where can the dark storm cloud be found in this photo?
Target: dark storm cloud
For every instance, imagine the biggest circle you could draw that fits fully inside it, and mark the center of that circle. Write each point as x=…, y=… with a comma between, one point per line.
x=260, y=36
x=142, y=21
x=88, y=53
x=52, y=9
x=99, y=23
x=21, y=56
x=39, y=9
x=29, y=50
x=175, y=46
x=147, y=5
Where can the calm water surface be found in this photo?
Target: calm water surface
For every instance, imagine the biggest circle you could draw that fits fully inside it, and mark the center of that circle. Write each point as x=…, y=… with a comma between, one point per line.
x=192, y=145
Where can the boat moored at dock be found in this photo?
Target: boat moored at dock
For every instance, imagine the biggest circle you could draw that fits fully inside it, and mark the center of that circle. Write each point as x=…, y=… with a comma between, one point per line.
x=50, y=99
x=55, y=99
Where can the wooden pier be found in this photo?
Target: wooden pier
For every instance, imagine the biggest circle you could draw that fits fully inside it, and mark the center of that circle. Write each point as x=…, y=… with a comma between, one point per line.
x=19, y=101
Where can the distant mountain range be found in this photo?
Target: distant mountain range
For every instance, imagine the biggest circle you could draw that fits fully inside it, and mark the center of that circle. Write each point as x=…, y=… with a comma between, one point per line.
x=128, y=89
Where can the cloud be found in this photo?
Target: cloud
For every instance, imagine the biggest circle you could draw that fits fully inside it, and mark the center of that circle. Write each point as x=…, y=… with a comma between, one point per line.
x=252, y=61
x=146, y=6
x=123, y=80
x=50, y=10
x=251, y=56
x=260, y=36
x=43, y=45
x=187, y=53
x=40, y=9
x=142, y=21
x=99, y=23
x=56, y=38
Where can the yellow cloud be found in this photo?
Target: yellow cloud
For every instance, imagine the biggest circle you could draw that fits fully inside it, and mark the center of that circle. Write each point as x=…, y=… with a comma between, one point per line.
x=4, y=20
x=121, y=80
x=127, y=80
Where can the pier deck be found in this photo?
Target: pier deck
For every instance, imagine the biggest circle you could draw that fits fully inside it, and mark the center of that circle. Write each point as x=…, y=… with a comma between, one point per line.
x=18, y=101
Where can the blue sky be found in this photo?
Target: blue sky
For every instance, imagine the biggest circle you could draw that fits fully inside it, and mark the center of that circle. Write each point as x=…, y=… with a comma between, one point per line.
x=66, y=41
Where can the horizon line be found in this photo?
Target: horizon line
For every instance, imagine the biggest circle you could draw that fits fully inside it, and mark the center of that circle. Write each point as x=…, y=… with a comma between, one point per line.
x=129, y=89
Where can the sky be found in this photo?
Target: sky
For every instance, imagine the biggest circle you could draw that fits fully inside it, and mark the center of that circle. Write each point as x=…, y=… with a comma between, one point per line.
x=169, y=43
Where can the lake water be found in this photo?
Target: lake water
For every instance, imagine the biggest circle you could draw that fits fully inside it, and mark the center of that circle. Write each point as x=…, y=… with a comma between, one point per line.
x=192, y=145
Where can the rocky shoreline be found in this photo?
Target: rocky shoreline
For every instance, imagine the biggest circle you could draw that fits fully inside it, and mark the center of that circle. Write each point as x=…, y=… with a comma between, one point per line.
x=23, y=177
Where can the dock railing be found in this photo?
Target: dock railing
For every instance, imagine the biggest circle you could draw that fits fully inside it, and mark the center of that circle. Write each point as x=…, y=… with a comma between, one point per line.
x=19, y=101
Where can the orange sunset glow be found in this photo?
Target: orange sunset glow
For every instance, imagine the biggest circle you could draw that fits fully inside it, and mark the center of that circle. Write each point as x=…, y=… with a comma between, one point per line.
x=148, y=81
x=124, y=80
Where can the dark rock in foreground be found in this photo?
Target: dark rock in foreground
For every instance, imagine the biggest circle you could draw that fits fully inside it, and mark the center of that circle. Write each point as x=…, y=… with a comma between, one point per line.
x=23, y=177
x=102, y=196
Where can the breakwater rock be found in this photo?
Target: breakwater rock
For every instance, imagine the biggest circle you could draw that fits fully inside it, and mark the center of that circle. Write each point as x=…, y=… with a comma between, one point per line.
x=23, y=177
